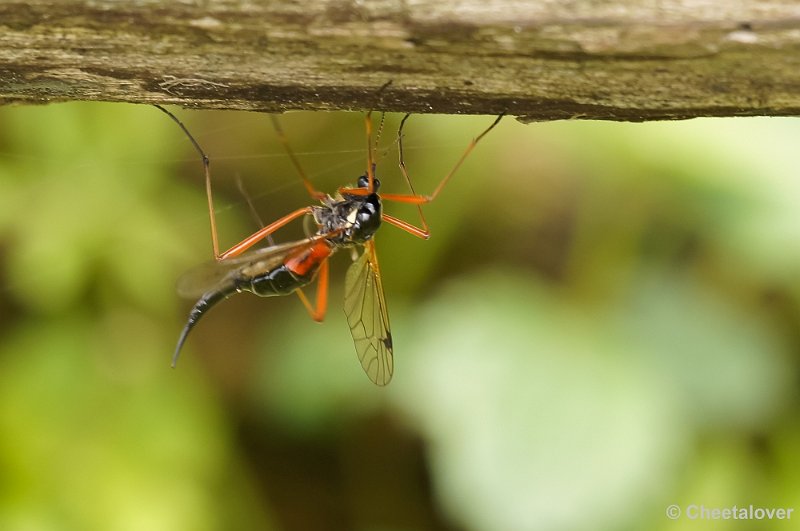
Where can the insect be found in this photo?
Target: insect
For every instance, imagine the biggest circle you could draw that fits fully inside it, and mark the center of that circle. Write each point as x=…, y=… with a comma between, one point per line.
x=347, y=219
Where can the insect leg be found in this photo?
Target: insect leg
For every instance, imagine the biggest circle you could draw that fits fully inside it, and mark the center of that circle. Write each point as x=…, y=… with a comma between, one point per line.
x=416, y=199
x=259, y=235
x=410, y=228
x=207, y=172
x=317, y=312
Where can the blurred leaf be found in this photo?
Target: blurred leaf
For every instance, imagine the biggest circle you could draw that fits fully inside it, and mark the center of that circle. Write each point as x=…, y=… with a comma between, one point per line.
x=88, y=446
x=534, y=407
x=723, y=363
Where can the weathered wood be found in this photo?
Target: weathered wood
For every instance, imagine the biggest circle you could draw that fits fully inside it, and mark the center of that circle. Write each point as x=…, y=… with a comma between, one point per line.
x=540, y=60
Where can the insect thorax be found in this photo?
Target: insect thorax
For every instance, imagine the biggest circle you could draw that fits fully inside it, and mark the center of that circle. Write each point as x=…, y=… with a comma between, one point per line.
x=355, y=218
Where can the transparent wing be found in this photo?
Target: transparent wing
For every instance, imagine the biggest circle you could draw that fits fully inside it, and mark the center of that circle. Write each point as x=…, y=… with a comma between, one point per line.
x=211, y=275
x=365, y=308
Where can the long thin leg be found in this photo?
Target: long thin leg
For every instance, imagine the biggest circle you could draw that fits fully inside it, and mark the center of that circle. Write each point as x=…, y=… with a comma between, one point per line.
x=421, y=199
x=254, y=238
x=317, y=312
x=424, y=232
x=259, y=235
x=413, y=198
x=313, y=192
x=207, y=172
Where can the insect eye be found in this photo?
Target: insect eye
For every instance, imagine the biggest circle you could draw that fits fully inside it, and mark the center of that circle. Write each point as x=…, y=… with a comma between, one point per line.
x=363, y=182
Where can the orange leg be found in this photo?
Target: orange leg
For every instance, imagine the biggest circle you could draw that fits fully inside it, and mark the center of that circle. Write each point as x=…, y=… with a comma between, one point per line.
x=423, y=233
x=259, y=235
x=317, y=312
x=416, y=199
x=413, y=198
x=254, y=238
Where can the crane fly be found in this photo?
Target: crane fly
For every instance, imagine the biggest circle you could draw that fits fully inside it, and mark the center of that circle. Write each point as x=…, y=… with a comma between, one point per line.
x=347, y=219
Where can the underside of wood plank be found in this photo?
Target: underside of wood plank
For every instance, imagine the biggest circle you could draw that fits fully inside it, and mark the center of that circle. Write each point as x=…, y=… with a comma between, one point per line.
x=538, y=60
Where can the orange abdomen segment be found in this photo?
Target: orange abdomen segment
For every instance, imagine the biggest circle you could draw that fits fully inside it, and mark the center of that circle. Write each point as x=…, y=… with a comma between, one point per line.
x=306, y=261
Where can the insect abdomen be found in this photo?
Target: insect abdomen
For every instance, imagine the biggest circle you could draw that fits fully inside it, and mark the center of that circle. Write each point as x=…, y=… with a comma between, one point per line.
x=279, y=281
x=296, y=271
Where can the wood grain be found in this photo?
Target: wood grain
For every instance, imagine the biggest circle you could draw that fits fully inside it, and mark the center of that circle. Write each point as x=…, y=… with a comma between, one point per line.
x=538, y=60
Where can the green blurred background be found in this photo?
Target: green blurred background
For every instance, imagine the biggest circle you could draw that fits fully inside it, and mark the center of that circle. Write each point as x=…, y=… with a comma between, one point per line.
x=604, y=323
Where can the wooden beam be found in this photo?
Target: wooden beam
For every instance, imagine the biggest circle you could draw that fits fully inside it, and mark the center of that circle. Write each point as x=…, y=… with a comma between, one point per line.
x=539, y=60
